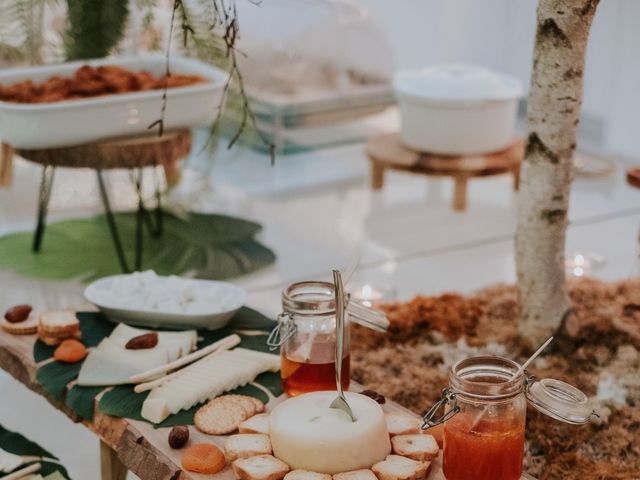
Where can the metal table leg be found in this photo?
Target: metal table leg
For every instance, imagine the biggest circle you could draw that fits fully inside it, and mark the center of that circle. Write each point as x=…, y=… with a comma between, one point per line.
x=46, y=184
x=112, y=224
x=142, y=218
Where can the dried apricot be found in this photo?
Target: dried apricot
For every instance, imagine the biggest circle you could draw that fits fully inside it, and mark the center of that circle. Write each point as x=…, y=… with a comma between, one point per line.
x=70, y=351
x=203, y=458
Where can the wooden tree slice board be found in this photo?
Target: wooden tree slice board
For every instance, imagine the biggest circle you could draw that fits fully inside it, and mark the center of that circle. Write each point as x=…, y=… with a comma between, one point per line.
x=386, y=151
x=128, y=152
x=136, y=445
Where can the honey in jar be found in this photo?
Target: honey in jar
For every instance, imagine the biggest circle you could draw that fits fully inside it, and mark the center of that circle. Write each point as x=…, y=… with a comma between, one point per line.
x=485, y=413
x=303, y=377
x=307, y=339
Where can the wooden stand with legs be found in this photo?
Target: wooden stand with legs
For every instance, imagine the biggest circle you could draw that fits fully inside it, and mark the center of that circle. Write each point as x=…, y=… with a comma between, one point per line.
x=129, y=153
x=6, y=165
x=387, y=152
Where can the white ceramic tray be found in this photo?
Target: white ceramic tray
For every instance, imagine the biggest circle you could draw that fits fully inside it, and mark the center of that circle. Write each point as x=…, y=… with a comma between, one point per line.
x=74, y=122
x=212, y=320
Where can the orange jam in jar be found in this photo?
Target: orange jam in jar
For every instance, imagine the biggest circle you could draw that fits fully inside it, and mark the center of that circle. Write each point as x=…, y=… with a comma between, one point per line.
x=485, y=409
x=486, y=449
x=484, y=421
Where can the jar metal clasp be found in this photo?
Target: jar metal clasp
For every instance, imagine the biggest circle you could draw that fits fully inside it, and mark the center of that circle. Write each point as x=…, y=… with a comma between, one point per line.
x=282, y=332
x=448, y=398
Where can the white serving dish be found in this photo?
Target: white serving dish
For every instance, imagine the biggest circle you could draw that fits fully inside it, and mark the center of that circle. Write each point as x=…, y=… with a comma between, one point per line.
x=79, y=121
x=457, y=109
x=212, y=320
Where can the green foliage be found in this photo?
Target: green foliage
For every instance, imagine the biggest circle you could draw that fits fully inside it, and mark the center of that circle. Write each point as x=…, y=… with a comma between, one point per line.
x=15, y=443
x=21, y=30
x=95, y=27
x=207, y=246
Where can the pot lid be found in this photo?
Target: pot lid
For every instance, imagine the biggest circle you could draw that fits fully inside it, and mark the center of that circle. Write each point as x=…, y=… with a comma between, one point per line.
x=559, y=400
x=458, y=82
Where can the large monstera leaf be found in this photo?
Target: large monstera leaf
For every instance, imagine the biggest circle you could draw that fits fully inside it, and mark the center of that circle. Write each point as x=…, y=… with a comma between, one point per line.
x=204, y=245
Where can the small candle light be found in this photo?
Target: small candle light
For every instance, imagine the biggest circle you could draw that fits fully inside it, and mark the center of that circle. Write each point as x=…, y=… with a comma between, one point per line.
x=579, y=264
x=368, y=294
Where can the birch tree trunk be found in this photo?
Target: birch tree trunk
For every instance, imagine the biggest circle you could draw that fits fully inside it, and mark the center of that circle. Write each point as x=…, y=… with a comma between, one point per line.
x=555, y=98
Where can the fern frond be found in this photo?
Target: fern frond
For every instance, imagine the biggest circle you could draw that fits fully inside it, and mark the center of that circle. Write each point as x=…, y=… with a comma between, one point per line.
x=95, y=27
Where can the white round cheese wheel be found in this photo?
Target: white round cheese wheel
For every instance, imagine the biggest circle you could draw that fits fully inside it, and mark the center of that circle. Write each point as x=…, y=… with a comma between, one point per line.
x=308, y=435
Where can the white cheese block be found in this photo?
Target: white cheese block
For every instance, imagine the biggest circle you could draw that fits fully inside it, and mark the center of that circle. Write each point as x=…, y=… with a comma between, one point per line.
x=309, y=435
x=155, y=409
x=207, y=378
x=269, y=361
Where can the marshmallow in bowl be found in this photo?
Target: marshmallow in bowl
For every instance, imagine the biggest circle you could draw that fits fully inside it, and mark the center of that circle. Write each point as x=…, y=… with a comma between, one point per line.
x=168, y=294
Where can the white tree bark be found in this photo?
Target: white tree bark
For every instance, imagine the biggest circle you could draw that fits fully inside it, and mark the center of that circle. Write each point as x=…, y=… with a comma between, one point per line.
x=555, y=98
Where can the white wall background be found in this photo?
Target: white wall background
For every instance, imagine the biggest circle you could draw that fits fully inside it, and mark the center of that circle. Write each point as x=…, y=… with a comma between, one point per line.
x=500, y=34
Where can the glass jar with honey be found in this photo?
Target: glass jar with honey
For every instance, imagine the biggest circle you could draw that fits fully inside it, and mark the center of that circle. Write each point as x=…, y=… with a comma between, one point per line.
x=306, y=336
x=485, y=413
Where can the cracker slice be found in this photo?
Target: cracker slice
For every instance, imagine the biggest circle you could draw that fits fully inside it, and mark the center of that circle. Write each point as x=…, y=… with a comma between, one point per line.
x=246, y=401
x=258, y=403
x=220, y=416
x=27, y=327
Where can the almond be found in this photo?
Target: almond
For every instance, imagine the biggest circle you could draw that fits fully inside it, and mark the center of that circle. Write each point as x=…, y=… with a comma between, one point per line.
x=141, y=342
x=17, y=314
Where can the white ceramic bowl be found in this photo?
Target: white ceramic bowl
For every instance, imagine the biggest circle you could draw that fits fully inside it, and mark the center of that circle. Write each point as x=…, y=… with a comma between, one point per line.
x=212, y=320
x=74, y=122
x=457, y=109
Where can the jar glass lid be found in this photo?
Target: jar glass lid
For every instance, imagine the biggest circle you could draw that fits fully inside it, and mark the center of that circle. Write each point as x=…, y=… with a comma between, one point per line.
x=559, y=400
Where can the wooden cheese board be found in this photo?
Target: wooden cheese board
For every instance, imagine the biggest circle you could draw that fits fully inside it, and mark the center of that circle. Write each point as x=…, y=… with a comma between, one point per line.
x=134, y=445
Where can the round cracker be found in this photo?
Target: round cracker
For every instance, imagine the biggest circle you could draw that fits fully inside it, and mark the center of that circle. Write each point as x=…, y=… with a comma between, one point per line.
x=220, y=416
x=247, y=403
x=27, y=327
x=258, y=403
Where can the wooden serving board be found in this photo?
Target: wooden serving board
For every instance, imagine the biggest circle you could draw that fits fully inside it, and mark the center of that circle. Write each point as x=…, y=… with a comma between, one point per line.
x=131, y=444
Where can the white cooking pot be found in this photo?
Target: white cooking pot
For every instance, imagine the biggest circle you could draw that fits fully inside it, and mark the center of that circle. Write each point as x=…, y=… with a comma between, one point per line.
x=457, y=109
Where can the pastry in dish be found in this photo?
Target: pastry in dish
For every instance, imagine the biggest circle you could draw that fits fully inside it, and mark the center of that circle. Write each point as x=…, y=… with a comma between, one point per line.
x=89, y=81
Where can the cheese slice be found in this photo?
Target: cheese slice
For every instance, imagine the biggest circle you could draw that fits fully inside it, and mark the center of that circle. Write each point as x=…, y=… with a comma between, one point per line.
x=110, y=363
x=187, y=340
x=207, y=378
x=54, y=476
x=9, y=461
x=103, y=368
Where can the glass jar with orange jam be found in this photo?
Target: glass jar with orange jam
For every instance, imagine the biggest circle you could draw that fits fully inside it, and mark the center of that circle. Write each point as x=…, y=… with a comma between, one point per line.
x=306, y=336
x=485, y=413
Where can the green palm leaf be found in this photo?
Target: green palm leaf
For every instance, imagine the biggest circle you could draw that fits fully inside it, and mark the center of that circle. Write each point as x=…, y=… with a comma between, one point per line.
x=17, y=444
x=202, y=245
